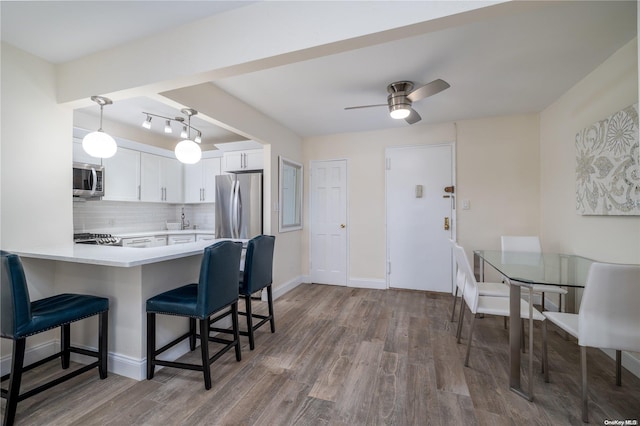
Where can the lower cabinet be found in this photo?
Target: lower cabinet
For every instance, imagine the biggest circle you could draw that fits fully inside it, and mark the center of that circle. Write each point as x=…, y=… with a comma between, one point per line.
x=144, y=242
x=205, y=237
x=180, y=239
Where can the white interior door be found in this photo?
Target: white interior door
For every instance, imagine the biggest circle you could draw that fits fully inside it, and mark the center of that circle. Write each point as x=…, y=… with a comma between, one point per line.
x=418, y=248
x=328, y=222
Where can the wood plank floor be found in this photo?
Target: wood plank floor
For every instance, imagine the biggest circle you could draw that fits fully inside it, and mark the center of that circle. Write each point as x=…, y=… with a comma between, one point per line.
x=345, y=356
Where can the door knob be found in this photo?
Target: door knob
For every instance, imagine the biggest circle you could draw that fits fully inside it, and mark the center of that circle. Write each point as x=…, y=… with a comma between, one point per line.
x=342, y=225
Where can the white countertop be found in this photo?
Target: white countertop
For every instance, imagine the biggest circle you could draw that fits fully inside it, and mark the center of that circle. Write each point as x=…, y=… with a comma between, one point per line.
x=163, y=232
x=124, y=257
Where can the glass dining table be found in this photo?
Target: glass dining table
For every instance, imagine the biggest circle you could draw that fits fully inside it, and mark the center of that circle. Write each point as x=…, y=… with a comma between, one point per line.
x=522, y=270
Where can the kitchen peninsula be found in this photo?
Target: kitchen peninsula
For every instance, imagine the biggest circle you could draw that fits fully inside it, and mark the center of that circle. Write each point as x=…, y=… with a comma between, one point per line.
x=128, y=277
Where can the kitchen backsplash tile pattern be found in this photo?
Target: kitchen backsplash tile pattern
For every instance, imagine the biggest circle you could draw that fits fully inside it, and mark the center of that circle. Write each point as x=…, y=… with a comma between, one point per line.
x=121, y=217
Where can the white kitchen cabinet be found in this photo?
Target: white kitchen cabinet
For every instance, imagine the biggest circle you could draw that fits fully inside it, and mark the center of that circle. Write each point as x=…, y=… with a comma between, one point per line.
x=161, y=179
x=140, y=242
x=81, y=156
x=205, y=237
x=200, y=181
x=144, y=242
x=242, y=161
x=181, y=239
x=122, y=176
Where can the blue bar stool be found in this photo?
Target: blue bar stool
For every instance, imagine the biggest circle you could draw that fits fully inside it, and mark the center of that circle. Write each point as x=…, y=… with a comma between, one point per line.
x=22, y=318
x=216, y=289
x=257, y=274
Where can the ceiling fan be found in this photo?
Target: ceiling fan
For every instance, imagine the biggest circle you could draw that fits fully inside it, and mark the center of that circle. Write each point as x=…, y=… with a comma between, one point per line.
x=402, y=95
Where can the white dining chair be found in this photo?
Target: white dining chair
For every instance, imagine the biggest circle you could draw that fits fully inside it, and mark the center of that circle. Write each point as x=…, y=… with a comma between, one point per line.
x=484, y=288
x=489, y=305
x=608, y=318
x=531, y=244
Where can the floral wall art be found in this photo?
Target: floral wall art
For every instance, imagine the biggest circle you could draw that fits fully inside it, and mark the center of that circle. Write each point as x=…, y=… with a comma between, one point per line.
x=608, y=169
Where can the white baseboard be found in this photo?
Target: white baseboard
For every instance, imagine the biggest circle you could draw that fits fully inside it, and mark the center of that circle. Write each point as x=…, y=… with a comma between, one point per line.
x=284, y=288
x=630, y=361
x=367, y=283
x=355, y=282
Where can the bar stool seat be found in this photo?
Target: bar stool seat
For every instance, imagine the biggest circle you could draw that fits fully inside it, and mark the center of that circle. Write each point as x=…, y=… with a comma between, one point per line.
x=22, y=318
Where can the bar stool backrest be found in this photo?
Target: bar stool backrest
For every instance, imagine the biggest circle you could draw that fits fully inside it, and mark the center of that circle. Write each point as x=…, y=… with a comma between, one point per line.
x=16, y=305
x=258, y=269
x=218, y=283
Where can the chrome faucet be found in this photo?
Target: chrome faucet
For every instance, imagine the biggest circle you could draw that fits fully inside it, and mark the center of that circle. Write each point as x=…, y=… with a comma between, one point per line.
x=184, y=224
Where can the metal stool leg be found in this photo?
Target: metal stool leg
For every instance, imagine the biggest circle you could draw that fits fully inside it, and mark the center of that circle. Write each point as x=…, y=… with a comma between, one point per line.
x=65, y=344
x=270, y=303
x=151, y=344
x=247, y=302
x=103, y=343
x=17, y=363
x=204, y=350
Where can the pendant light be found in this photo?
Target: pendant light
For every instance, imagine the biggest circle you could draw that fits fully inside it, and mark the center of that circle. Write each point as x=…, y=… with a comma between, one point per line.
x=187, y=151
x=99, y=144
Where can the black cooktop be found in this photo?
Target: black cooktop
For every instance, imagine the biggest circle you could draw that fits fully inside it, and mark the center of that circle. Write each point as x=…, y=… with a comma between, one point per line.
x=99, y=239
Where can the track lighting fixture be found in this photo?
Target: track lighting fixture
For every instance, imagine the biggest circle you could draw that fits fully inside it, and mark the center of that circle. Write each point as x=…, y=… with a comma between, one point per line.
x=147, y=123
x=100, y=144
x=187, y=151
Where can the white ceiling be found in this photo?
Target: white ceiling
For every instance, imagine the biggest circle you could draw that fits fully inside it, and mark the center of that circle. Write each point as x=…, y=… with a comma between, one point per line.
x=509, y=64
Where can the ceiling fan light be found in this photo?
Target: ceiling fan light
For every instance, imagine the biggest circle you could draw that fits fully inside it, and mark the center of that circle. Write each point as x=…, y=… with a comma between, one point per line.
x=99, y=144
x=188, y=152
x=399, y=111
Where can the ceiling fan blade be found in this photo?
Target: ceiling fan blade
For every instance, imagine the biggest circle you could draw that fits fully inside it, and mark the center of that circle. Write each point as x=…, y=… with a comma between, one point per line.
x=365, y=106
x=429, y=89
x=414, y=117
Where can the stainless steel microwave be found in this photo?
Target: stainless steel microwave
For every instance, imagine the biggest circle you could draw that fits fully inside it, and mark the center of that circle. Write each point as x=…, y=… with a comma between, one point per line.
x=88, y=180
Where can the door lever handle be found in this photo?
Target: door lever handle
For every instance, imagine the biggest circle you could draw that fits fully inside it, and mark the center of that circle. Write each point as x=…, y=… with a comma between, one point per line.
x=446, y=224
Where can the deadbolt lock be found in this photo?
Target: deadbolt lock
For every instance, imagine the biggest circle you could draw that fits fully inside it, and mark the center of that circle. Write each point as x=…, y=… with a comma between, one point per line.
x=342, y=225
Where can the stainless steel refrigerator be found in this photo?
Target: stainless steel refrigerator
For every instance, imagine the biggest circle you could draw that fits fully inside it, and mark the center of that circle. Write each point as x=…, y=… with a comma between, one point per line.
x=238, y=205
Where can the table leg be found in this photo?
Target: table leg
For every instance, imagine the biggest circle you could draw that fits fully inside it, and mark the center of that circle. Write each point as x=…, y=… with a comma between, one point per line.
x=515, y=338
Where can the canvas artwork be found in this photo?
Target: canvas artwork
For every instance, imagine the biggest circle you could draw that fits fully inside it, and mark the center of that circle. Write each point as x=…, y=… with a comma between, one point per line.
x=608, y=169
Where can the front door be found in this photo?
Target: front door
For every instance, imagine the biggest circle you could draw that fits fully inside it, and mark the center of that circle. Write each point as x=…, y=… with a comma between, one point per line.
x=419, y=217
x=328, y=217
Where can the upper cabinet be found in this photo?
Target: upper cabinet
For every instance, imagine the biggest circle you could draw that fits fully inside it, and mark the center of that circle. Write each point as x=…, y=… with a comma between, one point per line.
x=161, y=179
x=242, y=161
x=122, y=176
x=81, y=156
x=200, y=181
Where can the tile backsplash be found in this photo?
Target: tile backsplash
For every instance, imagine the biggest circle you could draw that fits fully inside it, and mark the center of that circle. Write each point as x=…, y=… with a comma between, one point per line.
x=122, y=217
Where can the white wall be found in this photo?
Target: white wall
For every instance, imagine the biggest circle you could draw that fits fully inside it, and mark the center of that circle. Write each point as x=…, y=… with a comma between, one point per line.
x=609, y=88
x=36, y=154
x=497, y=170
